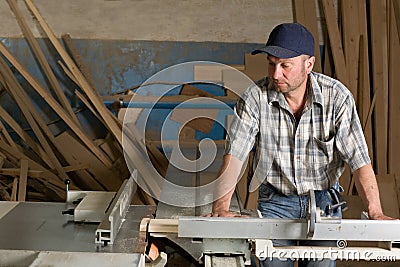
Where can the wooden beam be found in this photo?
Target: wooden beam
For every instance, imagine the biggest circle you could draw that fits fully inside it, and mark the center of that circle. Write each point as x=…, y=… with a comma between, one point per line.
x=14, y=190
x=351, y=37
x=6, y=135
x=42, y=60
x=335, y=41
x=23, y=179
x=77, y=58
x=379, y=49
x=394, y=97
x=396, y=9
x=55, y=106
x=364, y=77
x=306, y=14
x=89, y=91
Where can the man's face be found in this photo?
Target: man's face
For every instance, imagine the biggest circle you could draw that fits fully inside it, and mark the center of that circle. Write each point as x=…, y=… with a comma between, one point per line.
x=289, y=74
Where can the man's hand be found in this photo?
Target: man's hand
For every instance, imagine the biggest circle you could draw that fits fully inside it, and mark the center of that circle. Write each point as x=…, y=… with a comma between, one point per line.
x=380, y=216
x=225, y=213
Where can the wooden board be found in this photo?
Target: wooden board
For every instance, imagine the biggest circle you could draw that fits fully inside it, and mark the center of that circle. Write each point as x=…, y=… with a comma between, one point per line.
x=394, y=97
x=23, y=180
x=75, y=153
x=351, y=37
x=335, y=41
x=306, y=14
x=380, y=81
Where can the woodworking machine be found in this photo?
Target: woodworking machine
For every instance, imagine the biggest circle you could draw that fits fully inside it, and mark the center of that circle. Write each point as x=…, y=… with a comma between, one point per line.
x=104, y=229
x=90, y=229
x=219, y=241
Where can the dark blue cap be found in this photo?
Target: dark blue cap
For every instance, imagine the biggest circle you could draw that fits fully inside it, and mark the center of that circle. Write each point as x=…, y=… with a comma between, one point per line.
x=288, y=40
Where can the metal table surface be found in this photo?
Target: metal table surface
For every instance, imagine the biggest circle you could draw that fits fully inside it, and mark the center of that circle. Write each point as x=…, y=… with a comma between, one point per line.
x=41, y=227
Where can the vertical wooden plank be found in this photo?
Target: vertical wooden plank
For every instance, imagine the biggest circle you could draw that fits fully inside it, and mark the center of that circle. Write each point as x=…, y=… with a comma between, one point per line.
x=335, y=41
x=380, y=81
x=394, y=97
x=396, y=9
x=14, y=190
x=23, y=179
x=364, y=88
x=306, y=14
x=351, y=37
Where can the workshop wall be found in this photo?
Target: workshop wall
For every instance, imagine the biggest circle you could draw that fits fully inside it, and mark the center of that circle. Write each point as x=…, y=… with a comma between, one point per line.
x=125, y=42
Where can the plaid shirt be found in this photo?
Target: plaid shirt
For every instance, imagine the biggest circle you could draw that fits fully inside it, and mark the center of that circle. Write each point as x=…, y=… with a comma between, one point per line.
x=296, y=157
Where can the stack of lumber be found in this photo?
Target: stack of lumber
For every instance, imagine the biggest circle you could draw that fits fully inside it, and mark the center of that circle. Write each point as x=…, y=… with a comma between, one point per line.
x=361, y=41
x=35, y=166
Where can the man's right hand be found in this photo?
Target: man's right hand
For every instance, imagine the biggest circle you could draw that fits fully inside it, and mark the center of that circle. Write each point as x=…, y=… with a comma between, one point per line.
x=225, y=213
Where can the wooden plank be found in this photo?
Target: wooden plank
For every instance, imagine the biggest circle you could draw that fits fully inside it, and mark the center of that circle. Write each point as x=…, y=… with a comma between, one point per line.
x=6, y=135
x=351, y=37
x=335, y=41
x=77, y=58
x=306, y=14
x=54, y=105
x=388, y=194
x=394, y=97
x=14, y=190
x=23, y=179
x=396, y=9
x=42, y=60
x=380, y=81
x=17, y=172
x=75, y=154
x=111, y=123
x=364, y=77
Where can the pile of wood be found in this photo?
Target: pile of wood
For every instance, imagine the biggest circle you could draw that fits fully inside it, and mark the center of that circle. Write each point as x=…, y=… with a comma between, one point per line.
x=36, y=166
x=361, y=41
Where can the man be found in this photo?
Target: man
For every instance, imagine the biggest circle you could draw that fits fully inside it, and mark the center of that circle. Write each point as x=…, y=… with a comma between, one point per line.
x=304, y=126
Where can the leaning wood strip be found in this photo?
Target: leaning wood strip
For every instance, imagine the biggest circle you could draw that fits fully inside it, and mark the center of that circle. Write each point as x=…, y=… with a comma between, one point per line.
x=6, y=135
x=55, y=106
x=75, y=154
x=30, y=113
x=380, y=81
x=92, y=94
x=351, y=37
x=394, y=97
x=335, y=41
x=42, y=60
x=364, y=77
x=396, y=9
x=306, y=14
x=77, y=58
x=14, y=190
x=23, y=179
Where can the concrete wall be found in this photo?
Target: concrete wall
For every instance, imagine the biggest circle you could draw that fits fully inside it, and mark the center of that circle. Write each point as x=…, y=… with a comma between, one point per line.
x=238, y=21
x=124, y=42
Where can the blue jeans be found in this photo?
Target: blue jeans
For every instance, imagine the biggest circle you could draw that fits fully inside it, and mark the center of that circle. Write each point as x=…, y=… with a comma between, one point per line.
x=274, y=205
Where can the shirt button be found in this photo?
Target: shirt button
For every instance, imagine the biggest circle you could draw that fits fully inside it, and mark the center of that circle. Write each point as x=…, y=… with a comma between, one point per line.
x=298, y=157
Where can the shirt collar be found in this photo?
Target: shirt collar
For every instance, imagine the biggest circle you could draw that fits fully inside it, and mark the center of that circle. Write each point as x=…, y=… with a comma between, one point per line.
x=274, y=96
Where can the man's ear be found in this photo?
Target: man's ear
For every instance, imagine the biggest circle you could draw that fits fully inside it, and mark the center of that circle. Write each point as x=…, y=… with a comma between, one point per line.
x=310, y=64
